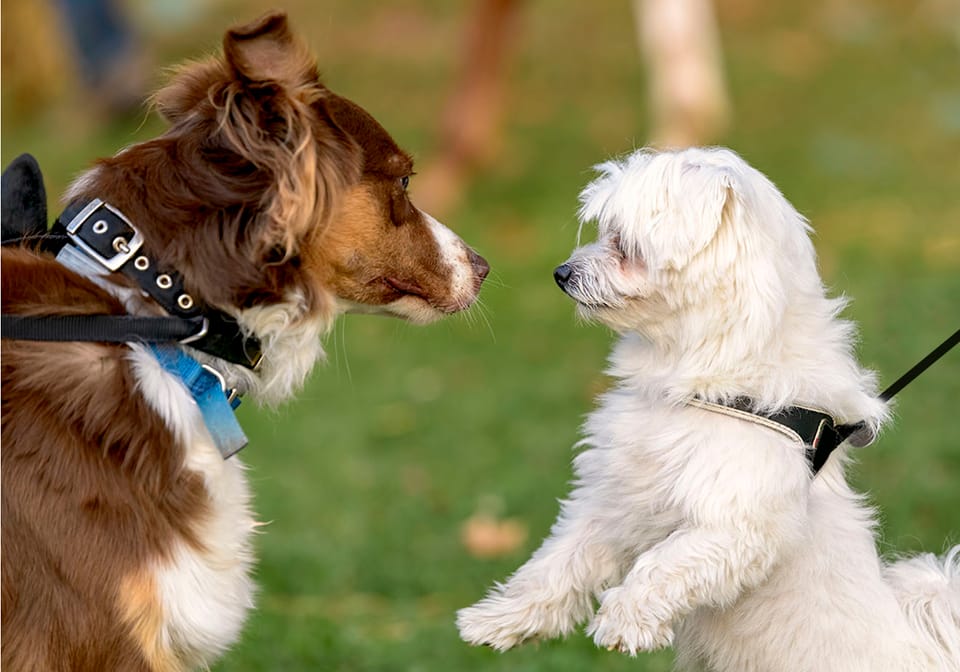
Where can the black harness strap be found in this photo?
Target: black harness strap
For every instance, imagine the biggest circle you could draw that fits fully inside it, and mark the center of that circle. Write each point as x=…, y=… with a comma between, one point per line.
x=815, y=429
x=101, y=328
x=818, y=430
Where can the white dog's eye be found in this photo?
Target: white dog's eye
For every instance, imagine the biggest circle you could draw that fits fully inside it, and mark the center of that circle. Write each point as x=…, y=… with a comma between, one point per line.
x=616, y=244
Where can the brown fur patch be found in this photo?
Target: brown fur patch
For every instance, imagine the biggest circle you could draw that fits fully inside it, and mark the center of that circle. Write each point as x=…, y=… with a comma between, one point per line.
x=141, y=610
x=375, y=257
x=381, y=248
x=93, y=485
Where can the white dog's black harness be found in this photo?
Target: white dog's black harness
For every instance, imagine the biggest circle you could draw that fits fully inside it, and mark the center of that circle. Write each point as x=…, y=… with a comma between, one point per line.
x=817, y=430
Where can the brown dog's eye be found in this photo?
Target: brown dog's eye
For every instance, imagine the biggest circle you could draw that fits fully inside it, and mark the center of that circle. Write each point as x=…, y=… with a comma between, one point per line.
x=405, y=182
x=276, y=255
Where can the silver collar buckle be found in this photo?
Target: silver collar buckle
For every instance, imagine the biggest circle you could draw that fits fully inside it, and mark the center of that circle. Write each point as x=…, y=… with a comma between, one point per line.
x=125, y=249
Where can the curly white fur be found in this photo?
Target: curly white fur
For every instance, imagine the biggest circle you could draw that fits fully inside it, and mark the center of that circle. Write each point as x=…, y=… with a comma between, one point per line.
x=693, y=528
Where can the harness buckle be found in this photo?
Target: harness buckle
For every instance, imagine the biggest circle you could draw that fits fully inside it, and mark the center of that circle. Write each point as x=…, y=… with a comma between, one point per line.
x=125, y=249
x=204, y=328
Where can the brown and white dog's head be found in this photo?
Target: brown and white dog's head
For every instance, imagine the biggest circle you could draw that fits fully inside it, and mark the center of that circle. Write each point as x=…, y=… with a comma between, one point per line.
x=383, y=254
x=283, y=204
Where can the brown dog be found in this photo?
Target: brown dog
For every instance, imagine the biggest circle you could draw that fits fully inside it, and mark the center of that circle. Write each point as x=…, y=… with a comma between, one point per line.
x=270, y=206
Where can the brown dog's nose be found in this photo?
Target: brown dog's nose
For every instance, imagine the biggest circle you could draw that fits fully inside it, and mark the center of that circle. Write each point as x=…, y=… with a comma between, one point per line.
x=480, y=265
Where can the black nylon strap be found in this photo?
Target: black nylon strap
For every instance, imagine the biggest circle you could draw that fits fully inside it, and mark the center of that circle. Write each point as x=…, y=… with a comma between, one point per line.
x=816, y=429
x=103, y=234
x=829, y=440
x=99, y=328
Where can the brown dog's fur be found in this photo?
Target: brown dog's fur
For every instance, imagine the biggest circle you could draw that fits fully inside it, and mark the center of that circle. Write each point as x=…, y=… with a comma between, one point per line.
x=281, y=204
x=93, y=484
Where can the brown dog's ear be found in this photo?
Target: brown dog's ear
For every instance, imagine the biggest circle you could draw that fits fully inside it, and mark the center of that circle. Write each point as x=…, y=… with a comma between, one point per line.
x=188, y=88
x=266, y=50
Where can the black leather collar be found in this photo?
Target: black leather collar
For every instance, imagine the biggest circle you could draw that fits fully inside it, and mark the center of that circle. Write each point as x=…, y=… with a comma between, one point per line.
x=103, y=234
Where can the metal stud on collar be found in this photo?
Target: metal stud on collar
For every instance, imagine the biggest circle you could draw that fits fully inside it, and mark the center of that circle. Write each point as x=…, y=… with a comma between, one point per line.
x=164, y=281
x=185, y=301
x=100, y=226
x=141, y=263
x=120, y=245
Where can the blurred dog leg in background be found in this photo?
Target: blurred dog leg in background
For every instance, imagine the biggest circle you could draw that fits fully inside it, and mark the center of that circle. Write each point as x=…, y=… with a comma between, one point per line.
x=108, y=53
x=679, y=43
x=470, y=126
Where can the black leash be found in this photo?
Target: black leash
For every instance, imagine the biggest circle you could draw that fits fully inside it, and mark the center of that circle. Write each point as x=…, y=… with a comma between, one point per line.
x=832, y=435
x=921, y=366
x=844, y=431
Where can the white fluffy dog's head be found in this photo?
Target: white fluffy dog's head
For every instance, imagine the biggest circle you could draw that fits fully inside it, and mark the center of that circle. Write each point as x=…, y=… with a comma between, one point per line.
x=700, y=255
x=686, y=231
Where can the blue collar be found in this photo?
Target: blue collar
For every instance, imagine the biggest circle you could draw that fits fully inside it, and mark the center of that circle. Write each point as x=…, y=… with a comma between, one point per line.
x=207, y=391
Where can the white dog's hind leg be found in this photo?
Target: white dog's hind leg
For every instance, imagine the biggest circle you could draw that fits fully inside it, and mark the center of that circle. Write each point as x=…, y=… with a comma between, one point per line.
x=928, y=590
x=549, y=595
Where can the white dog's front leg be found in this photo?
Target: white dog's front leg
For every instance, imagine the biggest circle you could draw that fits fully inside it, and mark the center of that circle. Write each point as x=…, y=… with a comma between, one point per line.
x=548, y=596
x=692, y=567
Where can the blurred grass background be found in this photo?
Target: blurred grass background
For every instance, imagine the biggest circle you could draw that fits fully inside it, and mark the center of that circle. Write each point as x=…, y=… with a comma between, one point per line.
x=369, y=476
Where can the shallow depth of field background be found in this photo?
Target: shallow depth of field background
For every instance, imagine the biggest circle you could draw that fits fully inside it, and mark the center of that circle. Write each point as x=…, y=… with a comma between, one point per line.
x=410, y=438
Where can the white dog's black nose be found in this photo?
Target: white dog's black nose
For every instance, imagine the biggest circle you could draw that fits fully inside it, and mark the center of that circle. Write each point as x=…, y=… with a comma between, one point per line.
x=562, y=274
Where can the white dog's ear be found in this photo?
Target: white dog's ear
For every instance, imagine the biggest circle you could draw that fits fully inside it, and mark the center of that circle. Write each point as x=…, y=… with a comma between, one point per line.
x=698, y=198
x=597, y=199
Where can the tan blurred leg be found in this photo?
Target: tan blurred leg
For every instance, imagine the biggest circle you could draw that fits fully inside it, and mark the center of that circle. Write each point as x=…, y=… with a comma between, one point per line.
x=471, y=123
x=680, y=44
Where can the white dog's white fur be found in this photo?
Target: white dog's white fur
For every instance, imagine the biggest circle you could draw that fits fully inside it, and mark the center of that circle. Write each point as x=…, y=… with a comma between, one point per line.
x=697, y=529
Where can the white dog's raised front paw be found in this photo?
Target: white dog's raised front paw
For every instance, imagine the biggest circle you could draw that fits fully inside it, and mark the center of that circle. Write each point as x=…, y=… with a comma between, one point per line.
x=504, y=622
x=622, y=625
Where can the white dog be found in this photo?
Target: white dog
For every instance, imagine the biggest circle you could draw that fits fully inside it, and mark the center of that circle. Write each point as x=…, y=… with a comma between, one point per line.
x=694, y=524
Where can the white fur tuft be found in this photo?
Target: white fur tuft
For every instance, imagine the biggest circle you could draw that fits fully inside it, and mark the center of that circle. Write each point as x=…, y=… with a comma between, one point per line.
x=928, y=590
x=291, y=347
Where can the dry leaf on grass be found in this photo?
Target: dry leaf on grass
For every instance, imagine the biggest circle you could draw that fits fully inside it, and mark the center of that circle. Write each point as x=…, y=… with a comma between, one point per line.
x=484, y=536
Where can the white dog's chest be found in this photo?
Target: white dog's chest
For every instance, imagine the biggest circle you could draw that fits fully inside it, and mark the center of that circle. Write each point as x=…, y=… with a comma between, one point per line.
x=632, y=448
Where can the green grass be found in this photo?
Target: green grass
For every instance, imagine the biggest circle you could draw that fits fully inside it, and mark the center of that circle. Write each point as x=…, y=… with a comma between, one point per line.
x=367, y=477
